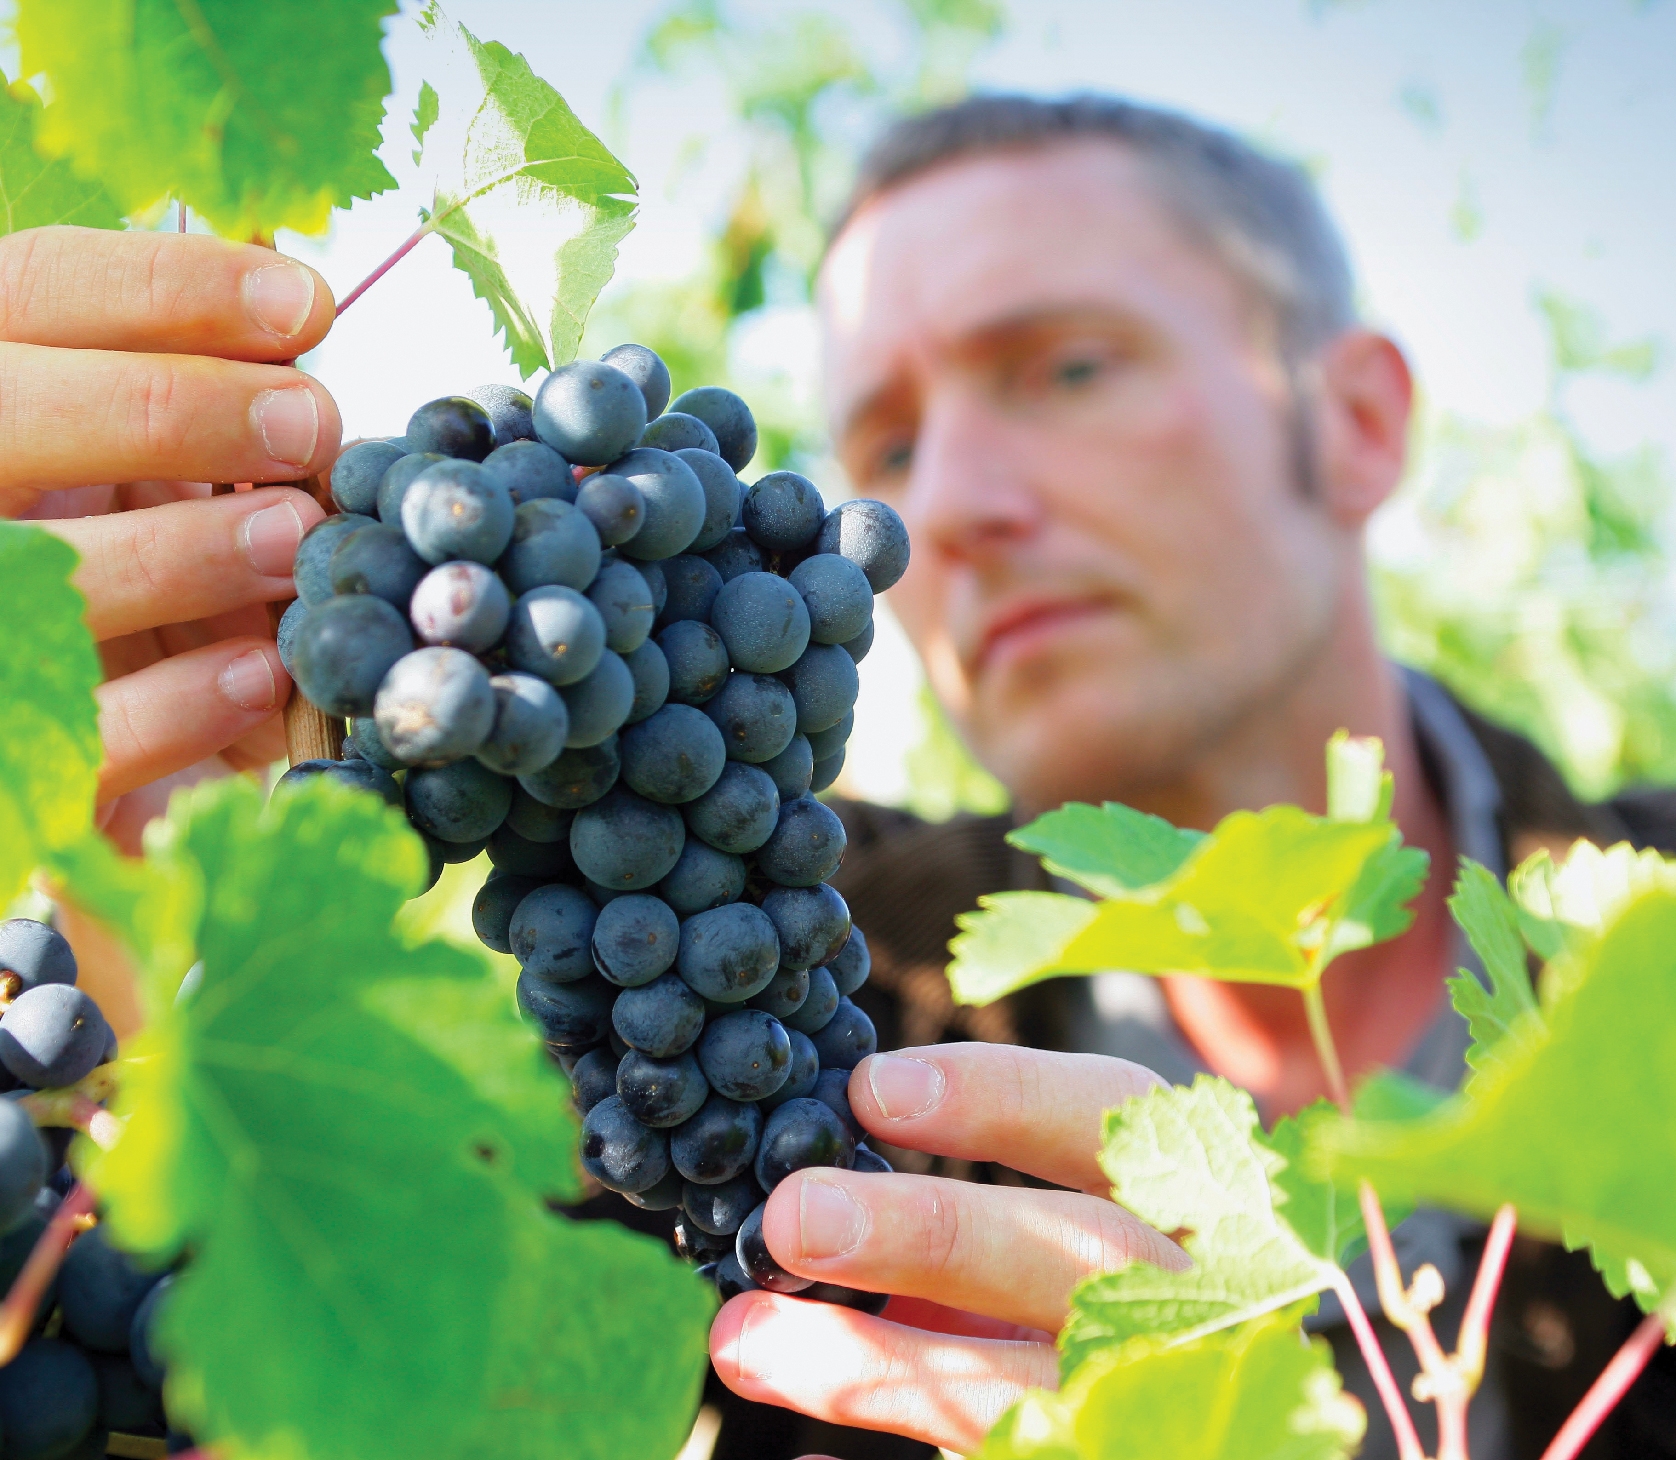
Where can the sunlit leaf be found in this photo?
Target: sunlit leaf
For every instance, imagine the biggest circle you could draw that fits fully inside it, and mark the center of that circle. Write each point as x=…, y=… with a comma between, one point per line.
x=37, y=190
x=1110, y=849
x=1487, y=917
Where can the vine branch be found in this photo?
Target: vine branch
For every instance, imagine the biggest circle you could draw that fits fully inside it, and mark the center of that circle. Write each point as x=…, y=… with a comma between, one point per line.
x=1613, y=1383
x=385, y=267
x=17, y=1312
x=1408, y=1438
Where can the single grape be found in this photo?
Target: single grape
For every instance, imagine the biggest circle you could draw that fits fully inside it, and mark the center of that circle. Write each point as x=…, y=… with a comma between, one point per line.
x=869, y=1160
x=49, y=1400
x=285, y=635
x=624, y=601
x=674, y=755
x=799, y=1134
x=599, y=704
x=851, y=964
x=871, y=536
x=35, y=954
x=127, y=1403
x=826, y=772
x=762, y=621
x=577, y=778
x=824, y=685
x=462, y=604
x=737, y=814
x=593, y=1078
x=723, y=492
x=536, y=821
x=626, y=842
x=530, y=726
x=508, y=410
x=142, y=1348
x=435, y=706
x=635, y=939
x=857, y=647
x=100, y=1289
x=649, y=669
x=365, y=741
x=792, y=769
x=453, y=426
x=785, y=993
x=736, y=554
x=818, y=1007
x=664, y=1195
x=661, y=1018
x=311, y=569
x=718, y=1143
x=52, y=1035
x=782, y=511
x=555, y=634
x=846, y=1039
x=358, y=775
x=461, y=802
x=568, y=1013
x=728, y=953
x=660, y=1093
x=553, y=545
x=730, y=1278
x=397, y=479
x=758, y=1263
x=23, y=1160
x=702, y=879
x=807, y=844
x=745, y=1055
x=756, y=715
x=726, y=415
x=677, y=431
x=675, y=502
x=805, y=1070
x=837, y=594
x=647, y=370
x=531, y=472
x=719, y=1209
x=491, y=910
x=618, y=1151
x=453, y=854
x=697, y=661
x=832, y=1089
x=455, y=509
x=695, y=1244
x=551, y=933
x=357, y=473
x=693, y=586
x=589, y=412
x=547, y=861
x=828, y=742
x=613, y=505
x=435, y=862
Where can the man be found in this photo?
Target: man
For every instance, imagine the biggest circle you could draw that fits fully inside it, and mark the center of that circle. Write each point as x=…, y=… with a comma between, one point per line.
x=1106, y=363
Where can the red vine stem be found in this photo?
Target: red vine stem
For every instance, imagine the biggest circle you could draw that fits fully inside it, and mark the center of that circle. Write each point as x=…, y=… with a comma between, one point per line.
x=1608, y=1389
x=1473, y=1342
x=1408, y=1438
x=17, y=1312
x=384, y=267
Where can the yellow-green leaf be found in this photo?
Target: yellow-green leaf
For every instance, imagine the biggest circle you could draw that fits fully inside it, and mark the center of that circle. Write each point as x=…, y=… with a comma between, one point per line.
x=36, y=190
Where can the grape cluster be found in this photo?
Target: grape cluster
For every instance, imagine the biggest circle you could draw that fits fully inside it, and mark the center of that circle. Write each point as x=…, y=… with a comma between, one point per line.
x=583, y=645
x=63, y=1394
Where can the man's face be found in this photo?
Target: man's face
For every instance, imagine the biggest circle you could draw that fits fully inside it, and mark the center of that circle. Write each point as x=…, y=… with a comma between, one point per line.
x=1079, y=415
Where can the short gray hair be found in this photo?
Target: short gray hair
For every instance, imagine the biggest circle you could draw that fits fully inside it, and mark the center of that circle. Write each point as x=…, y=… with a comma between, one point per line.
x=1260, y=216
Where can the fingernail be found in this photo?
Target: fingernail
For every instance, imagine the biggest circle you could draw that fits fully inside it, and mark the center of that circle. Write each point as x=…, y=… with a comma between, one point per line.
x=830, y=1222
x=902, y=1087
x=249, y=681
x=270, y=539
x=280, y=297
x=289, y=423
x=753, y=1360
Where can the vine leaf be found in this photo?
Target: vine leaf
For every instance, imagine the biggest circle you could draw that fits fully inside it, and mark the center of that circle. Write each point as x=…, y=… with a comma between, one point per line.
x=1257, y=1392
x=1111, y=850
x=258, y=116
x=1487, y=916
x=1262, y=1233
x=354, y=1139
x=49, y=732
x=1569, y=1123
x=37, y=190
x=521, y=167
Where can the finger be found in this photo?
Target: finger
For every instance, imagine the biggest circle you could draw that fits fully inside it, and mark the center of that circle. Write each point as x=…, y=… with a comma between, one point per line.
x=1011, y=1253
x=69, y=417
x=187, y=560
x=189, y=294
x=850, y=1369
x=185, y=709
x=1034, y=1110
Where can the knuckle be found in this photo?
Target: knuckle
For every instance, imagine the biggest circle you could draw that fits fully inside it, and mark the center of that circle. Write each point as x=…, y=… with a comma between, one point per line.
x=942, y=1231
x=157, y=411
x=20, y=266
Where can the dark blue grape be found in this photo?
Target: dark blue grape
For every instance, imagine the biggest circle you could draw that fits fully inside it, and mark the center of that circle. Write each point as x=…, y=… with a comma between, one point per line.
x=784, y=995
x=599, y=704
x=530, y=725
x=730, y=1278
x=818, y=1006
x=589, y=412
x=508, y=410
x=660, y=1093
x=826, y=772
x=142, y=1343
x=577, y=778
x=365, y=741
x=553, y=545
x=49, y=1400
x=762, y=621
x=34, y=954
x=551, y=934
x=462, y=802
x=756, y=715
x=357, y=473
x=693, y=586
x=807, y=844
x=613, y=505
x=828, y=742
x=782, y=511
x=719, y=1209
x=870, y=1161
x=664, y=1195
x=695, y=1244
x=52, y=1035
x=626, y=842
x=871, y=536
x=857, y=647
x=736, y=554
x=127, y=1403
x=568, y=1013
x=675, y=502
x=555, y=634
x=455, y=509
x=99, y=1291
x=649, y=669
x=462, y=604
x=593, y=1078
x=620, y=1152
x=653, y=574
x=723, y=492
x=805, y=1070
x=704, y=878
x=435, y=706
x=697, y=661
x=677, y=431
x=851, y=964
x=846, y=1039
x=453, y=425
x=311, y=569
x=674, y=755
x=758, y=1263
x=452, y=854
x=397, y=479
x=509, y=852
x=838, y=596
x=647, y=370
x=344, y=648
x=726, y=415
x=661, y=1018
x=358, y=775
x=23, y=1160
x=376, y=559
x=491, y=910
x=635, y=939
x=792, y=769
x=536, y=821
x=824, y=685
x=745, y=1055
x=435, y=862
x=718, y=1143
x=728, y=953
x=285, y=635
x=832, y=1089
x=738, y=813
x=531, y=472
x=624, y=601
x=799, y=1134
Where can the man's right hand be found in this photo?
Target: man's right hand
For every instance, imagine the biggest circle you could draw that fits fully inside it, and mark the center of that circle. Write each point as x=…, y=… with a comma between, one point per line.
x=135, y=370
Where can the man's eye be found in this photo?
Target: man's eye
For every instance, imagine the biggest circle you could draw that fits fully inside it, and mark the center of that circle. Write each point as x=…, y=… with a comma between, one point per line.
x=1076, y=372
x=895, y=459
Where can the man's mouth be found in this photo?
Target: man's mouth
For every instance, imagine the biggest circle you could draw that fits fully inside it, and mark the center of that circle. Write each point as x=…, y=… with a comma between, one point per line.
x=1026, y=625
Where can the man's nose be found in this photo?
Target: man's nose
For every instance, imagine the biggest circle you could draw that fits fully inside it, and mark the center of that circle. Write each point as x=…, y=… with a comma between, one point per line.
x=969, y=495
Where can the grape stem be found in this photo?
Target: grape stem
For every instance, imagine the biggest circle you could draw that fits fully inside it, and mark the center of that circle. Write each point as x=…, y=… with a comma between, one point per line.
x=79, y=1107
x=1612, y=1385
x=1326, y=1051
x=17, y=1312
x=1402, y=1423
x=388, y=264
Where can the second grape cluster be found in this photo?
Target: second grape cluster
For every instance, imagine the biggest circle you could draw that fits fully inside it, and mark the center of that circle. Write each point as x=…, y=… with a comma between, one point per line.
x=563, y=631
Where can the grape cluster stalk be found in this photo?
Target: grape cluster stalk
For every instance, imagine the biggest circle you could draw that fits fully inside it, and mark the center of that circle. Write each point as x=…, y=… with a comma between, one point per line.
x=563, y=631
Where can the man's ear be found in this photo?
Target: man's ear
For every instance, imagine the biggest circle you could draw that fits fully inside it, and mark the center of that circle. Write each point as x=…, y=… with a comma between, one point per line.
x=1364, y=397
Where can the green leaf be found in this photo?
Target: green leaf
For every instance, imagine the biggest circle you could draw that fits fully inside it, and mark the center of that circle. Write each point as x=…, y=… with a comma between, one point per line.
x=1262, y=1233
x=425, y=113
x=1486, y=915
x=1111, y=850
x=49, y=731
x=1016, y=938
x=354, y=1137
x=1572, y=1124
x=35, y=190
x=259, y=116
x=1258, y=1392
x=525, y=165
